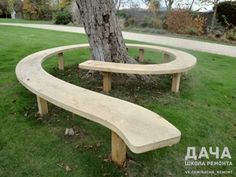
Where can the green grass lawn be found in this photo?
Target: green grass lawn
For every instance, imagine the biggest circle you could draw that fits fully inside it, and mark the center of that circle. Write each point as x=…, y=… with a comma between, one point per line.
x=204, y=111
x=9, y=20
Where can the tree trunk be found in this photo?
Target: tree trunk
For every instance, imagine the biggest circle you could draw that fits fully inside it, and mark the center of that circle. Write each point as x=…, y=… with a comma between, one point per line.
x=214, y=14
x=104, y=34
x=169, y=4
x=191, y=5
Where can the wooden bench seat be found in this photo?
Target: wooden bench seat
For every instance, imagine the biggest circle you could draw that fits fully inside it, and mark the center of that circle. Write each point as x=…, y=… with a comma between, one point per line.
x=182, y=62
x=132, y=125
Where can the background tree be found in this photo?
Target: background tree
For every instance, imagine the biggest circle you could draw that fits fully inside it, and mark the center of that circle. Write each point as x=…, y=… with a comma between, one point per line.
x=226, y=13
x=157, y=3
x=18, y=8
x=191, y=5
x=29, y=10
x=117, y=4
x=187, y=4
x=7, y=7
x=215, y=7
x=10, y=6
x=155, y=20
x=168, y=4
x=154, y=5
x=37, y=9
x=131, y=4
x=213, y=3
x=4, y=8
x=64, y=3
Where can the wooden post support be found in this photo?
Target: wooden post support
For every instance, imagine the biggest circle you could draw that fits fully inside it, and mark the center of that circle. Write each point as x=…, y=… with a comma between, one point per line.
x=106, y=82
x=176, y=82
x=141, y=55
x=60, y=61
x=118, y=149
x=166, y=57
x=42, y=106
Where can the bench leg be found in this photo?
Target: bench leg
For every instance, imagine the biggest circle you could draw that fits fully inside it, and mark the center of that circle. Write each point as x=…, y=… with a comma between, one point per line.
x=166, y=57
x=118, y=149
x=60, y=61
x=141, y=55
x=106, y=82
x=175, y=82
x=42, y=106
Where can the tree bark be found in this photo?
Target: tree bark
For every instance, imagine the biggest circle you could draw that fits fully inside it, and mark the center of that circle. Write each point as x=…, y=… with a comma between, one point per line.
x=103, y=30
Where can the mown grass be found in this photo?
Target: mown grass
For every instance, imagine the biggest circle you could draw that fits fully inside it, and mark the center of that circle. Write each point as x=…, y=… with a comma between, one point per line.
x=9, y=20
x=204, y=111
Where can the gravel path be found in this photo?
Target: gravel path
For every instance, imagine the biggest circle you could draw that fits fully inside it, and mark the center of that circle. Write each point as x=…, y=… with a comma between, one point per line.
x=155, y=39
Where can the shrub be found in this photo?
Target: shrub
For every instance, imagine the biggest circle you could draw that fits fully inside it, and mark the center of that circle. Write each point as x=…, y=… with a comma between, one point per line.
x=178, y=20
x=30, y=10
x=40, y=10
x=217, y=31
x=155, y=22
x=125, y=19
x=231, y=34
x=182, y=21
x=190, y=30
x=152, y=22
x=63, y=17
x=122, y=14
x=227, y=11
x=144, y=24
x=199, y=23
x=64, y=4
x=129, y=22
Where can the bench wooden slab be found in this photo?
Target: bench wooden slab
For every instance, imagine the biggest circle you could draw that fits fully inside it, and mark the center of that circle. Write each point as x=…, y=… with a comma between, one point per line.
x=182, y=62
x=140, y=129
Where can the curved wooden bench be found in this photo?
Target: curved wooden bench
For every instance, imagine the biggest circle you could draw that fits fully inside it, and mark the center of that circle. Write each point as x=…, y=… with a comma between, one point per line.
x=140, y=129
x=182, y=62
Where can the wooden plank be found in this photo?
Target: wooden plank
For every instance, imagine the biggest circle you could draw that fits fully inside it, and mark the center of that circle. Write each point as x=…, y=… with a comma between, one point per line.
x=42, y=106
x=141, y=69
x=60, y=61
x=141, y=55
x=176, y=82
x=122, y=117
x=118, y=149
x=106, y=82
x=182, y=62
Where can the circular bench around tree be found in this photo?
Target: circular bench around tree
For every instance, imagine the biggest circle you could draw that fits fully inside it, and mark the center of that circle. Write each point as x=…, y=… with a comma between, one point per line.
x=138, y=128
x=181, y=62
